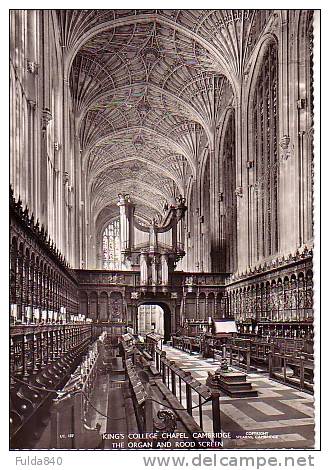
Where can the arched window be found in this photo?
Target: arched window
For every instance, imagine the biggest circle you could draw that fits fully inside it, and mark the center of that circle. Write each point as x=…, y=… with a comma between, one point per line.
x=205, y=229
x=306, y=121
x=111, y=246
x=228, y=197
x=265, y=141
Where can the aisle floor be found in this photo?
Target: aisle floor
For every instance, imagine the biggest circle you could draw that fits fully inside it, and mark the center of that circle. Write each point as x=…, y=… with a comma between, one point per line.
x=284, y=413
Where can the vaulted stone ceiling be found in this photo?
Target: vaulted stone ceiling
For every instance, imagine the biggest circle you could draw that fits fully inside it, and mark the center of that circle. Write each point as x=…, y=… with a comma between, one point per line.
x=148, y=88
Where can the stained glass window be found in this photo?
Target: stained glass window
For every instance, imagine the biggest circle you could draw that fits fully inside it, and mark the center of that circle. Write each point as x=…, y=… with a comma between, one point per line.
x=111, y=246
x=229, y=197
x=265, y=132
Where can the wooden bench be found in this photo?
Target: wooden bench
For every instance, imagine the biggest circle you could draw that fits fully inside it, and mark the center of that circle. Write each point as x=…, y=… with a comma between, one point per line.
x=146, y=398
x=296, y=369
x=153, y=370
x=183, y=416
x=147, y=355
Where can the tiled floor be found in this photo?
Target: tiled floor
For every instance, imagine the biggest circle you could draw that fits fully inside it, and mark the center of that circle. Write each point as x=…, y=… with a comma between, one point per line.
x=284, y=415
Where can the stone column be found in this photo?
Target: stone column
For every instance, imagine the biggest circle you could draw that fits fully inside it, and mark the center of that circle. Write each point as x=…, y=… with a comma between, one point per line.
x=214, y=211
x=154, y=279
x=126, y=223
x=143, y=269
x=164, y=267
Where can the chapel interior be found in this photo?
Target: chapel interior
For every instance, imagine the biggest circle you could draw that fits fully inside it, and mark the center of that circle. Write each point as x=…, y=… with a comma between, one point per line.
x=161, y=229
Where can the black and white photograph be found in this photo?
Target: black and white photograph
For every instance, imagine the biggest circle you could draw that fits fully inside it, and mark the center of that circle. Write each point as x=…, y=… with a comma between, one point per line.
x=162, y=229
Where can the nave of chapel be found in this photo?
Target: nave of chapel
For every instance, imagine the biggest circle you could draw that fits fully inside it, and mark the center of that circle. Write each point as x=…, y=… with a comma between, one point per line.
x=161, y=229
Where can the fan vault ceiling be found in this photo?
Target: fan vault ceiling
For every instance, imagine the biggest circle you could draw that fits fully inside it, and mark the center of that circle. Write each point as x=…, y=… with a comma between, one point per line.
x=148, y=88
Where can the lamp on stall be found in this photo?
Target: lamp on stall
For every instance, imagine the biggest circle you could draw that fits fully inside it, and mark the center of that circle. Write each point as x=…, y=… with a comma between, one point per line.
x=28, y=314
x=63, y=313
x=13, y=313
x=44, y=315
x=36, y=315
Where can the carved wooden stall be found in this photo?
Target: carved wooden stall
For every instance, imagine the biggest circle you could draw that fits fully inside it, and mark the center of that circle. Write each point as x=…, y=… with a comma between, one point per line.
x=41, y=359
x=48, y=334
x=275, y=299
x=273, y=307
x=292, y=364
x=70, y=426
x=42, y=286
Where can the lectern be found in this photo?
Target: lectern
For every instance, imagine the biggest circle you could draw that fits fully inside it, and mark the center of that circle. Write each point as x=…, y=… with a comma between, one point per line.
x=230, y=381
x=221, y=331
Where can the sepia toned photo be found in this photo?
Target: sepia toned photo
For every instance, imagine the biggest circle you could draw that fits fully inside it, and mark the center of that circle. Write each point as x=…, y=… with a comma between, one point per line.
x=162, y=229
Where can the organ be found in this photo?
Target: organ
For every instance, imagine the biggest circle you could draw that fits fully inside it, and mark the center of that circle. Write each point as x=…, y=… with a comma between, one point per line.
x=154, y=260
